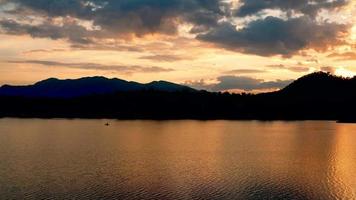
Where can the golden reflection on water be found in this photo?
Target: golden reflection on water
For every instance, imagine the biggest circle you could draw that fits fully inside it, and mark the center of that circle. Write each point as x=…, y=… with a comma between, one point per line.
x=81, y=159
x=345, y=157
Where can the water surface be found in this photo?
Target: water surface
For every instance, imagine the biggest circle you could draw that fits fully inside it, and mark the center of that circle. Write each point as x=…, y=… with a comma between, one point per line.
x=188, y=160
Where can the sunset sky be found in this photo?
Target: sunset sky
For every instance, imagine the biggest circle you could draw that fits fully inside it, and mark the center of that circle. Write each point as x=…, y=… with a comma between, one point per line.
x=237, y=45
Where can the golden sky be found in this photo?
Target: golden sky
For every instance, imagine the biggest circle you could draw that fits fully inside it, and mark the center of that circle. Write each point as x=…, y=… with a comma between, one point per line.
x=211, y=44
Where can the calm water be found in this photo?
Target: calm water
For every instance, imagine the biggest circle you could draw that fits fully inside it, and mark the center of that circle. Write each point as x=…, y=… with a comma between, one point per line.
x=83, y=159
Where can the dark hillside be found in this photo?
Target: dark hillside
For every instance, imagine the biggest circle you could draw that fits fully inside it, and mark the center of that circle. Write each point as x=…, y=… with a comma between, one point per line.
x=319, y=96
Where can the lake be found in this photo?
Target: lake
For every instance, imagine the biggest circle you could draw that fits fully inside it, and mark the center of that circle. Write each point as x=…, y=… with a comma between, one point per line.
x=187, y=159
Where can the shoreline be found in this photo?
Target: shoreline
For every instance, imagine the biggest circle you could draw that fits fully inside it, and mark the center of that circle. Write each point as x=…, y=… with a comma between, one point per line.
x=172, y=119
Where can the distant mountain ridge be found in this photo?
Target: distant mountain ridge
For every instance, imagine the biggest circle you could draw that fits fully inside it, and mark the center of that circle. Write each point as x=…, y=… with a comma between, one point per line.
x=69, y=88
x=317, y=96
x=317, y=84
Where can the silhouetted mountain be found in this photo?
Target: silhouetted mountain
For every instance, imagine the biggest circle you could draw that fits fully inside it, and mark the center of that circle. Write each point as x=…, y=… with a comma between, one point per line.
x=315, y=96
x=166, y=86
x=320, y=85
x=56, y=88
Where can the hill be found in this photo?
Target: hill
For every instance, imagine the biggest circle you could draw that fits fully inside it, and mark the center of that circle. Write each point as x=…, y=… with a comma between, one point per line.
x=317, y=96
x=321, y=85
x=55, y=88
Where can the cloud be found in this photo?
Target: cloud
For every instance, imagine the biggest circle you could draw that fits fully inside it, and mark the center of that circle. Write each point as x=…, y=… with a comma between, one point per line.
x=94, y=66
x=275, y=36
x=108, y=47
x=328, y=69
x=164, y=58
x=139, y=17
x=307, y=7
x=343, y=56
x=290, y=68
x=243, y=83
x=70, y=30
x=245, y=71
x=43, y=51
x=90, y=24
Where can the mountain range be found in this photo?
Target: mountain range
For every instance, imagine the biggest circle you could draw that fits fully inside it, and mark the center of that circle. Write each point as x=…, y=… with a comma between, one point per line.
x=315, y=96
x=70, y=88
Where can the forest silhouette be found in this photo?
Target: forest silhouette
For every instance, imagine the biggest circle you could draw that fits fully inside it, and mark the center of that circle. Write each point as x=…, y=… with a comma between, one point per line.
x=317, y=96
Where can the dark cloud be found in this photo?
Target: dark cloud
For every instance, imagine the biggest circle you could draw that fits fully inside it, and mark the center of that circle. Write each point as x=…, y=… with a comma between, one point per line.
x=94, y=66
x=131, y=16
x=239, y=83
x=73, y=32
x=247, y=83
x=269, y=36
x=211, y=21
x=307, y=7
x=274, y=36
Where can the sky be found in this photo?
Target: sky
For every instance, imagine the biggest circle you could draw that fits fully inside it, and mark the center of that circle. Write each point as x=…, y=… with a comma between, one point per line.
x=218, y=45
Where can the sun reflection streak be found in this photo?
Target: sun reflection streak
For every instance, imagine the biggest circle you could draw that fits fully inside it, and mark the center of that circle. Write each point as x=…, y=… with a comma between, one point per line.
x=345, y=156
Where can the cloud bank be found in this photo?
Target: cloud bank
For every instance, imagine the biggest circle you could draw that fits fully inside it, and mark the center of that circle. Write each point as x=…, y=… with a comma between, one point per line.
x=275, y=36
x=241, y=83
x=87, y=22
